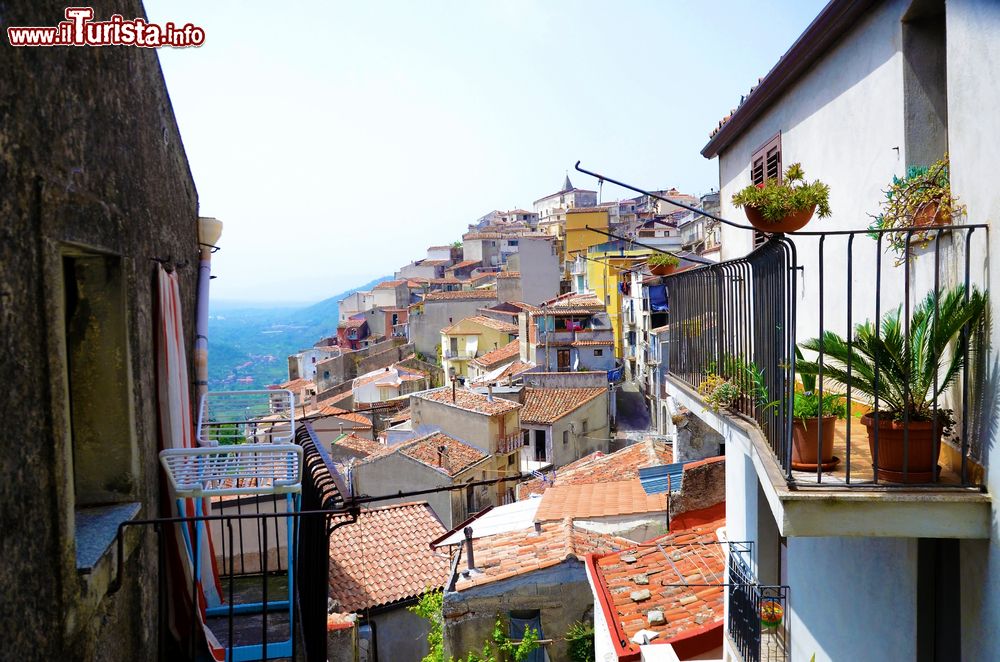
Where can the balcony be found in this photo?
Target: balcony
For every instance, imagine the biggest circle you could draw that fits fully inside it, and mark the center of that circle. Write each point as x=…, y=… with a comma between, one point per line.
x=271, y=562
x=510, y=443
x=737, y=324
x=457, y=355
x=757, y=623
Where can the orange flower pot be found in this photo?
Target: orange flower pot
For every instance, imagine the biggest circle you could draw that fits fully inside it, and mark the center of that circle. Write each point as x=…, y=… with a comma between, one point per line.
x=794, y=221
x=921, y=458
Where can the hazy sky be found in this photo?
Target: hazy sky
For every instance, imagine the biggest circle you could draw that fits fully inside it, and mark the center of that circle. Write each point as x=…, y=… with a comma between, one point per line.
x=337, y=140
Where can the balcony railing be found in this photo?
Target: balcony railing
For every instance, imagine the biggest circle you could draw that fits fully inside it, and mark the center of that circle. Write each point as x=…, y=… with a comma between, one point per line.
x=757, y=614
x=510, y=443
x=740, y=321
x=459, y=355
x=272, y=566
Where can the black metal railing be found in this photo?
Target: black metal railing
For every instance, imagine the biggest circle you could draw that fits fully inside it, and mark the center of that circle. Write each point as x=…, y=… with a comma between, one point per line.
x=758, y=614
x=253, y=539
x=730, y=318
x=740, y=321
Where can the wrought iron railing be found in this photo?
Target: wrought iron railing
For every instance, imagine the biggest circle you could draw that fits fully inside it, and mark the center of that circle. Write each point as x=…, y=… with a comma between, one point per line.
x=740, y=320
x=758, y=615
x=510, y=442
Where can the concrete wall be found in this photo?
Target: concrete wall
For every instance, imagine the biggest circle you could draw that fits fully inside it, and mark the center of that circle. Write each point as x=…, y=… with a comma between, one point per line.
x=973, y=63
x=90, y=158
x=396, y=472
x=540, y=270
x=561, y=593
x=335, y=371
x=702, y=486
x=477, y=429
x=694, y=440
x=597, y=438
x=425, y=326
x=565, y=379
x=400, y=635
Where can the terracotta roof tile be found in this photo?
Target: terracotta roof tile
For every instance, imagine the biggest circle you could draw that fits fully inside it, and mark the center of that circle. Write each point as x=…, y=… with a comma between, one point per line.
x=509, y=274
x=464, y=263
x=511, y=554
x=468, y=400
x=668, y=563
x=547, y=405
x=351, y=323
x=385, y=556
x=360, y=444
x=597, y=467
x=389, y=284
x=581, y=501
x=461, y=294
x=499, y=355
x=488, y=322
x=457, y=455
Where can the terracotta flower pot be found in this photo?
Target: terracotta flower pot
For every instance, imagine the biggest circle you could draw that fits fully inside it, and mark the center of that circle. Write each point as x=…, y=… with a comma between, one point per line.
x=805, y=442
x=794, y=221
x=930, y=213
x=922, y=455
x=662, y=269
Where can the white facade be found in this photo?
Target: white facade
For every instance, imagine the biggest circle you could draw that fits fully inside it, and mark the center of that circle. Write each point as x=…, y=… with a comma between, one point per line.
x=355, y=303
x=853, y=560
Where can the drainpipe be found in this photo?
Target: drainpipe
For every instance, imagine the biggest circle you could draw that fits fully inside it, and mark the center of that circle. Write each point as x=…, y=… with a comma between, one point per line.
x=209, y=231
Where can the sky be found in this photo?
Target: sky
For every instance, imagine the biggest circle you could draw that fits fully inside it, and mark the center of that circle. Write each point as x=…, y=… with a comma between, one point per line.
x=338, y=140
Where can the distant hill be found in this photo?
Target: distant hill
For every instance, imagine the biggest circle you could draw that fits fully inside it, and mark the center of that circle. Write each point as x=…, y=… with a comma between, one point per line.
x=248, y=344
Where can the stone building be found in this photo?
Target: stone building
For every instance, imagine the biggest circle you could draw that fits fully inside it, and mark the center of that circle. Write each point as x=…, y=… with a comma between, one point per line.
x=96, y=187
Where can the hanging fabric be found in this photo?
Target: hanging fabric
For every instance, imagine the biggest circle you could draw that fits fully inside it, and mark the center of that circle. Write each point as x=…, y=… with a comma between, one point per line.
x=177, y=431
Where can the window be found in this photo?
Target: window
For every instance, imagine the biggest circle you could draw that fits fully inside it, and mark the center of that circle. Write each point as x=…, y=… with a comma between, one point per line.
x=101, y=453
x=565, y=436
x=598, y=352
x=326, y=374
x=765, y=164
x=585, y=425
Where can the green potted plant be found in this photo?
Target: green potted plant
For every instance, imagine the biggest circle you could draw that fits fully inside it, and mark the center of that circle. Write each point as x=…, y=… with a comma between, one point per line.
x=784, y=206
x=813, y=416
x=922, y=198
x=662, y=264
x=909, y=364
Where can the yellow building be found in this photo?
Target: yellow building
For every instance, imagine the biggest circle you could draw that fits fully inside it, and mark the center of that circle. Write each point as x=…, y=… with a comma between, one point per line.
x=605, y=270
x=470, y=338
x=578, y=238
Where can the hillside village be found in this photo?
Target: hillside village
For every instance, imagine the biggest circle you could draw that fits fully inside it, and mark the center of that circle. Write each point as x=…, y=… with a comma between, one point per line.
x=753, y=424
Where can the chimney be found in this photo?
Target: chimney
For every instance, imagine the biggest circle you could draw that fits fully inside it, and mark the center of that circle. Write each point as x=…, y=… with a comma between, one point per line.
x=453, y=389
x=468, y=548
x=489, y=392
x=440, y=456
x=538, y=527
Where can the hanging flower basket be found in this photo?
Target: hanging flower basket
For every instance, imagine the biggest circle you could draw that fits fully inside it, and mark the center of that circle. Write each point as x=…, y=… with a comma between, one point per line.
x=786, y=206
x=771, y=614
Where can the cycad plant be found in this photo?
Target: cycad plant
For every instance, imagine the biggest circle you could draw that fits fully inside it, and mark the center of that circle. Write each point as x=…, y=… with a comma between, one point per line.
x=908, y=362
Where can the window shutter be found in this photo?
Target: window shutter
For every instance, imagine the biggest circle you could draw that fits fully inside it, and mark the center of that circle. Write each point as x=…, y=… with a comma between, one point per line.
x=765, y=164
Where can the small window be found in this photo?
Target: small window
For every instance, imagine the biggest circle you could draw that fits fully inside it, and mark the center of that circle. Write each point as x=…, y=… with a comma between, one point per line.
x=765, y=164
x=326, y=374
x=314, y=359
x=598, y=352
x=565, y=436
x=585, y=425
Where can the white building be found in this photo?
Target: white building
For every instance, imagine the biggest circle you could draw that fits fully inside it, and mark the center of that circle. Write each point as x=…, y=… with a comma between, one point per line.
x=864, y=571
x=552, y=208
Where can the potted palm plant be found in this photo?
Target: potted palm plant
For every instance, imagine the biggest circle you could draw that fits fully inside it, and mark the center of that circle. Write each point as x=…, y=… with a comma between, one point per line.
x=662, y=264
x=813, y=416
x=784, y=206
x=909, y=364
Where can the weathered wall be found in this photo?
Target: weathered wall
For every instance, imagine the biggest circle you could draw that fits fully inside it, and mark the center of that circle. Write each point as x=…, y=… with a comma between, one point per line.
x=703, y=486
x=401, y=635
x=90, y=157
x=435, y=372
x=565, y=379
x=396, y=472
x=425, y=327
x=578, y=444
x=335, y=371
x=540, y=269
x=561, y=593
x=694, y=439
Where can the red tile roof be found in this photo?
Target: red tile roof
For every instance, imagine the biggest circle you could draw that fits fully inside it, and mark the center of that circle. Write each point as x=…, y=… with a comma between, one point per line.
x=512, y=554
x=497, y=356
x=351, y=323
x=509, y=274
x=461, y=294
x=464, y=263
x=604, y=499
x=362, y=445
x=488, y=322
x=547, y=405
x=457, y=455
x=389, y=284
x=675, y=569
x=385, y=557
x=598, y=467
x=468, y=400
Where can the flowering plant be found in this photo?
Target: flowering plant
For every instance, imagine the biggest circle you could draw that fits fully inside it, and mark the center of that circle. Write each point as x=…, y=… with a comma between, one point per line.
x=663, y=260
x=771, y=613
x=775, y=200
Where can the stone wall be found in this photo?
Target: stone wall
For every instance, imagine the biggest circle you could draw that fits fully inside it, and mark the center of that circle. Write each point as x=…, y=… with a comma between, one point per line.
x=703, y=486
x=435, y=372
x=335, y=371
x=694, y=439
x=561, y=594
x=91, y=164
